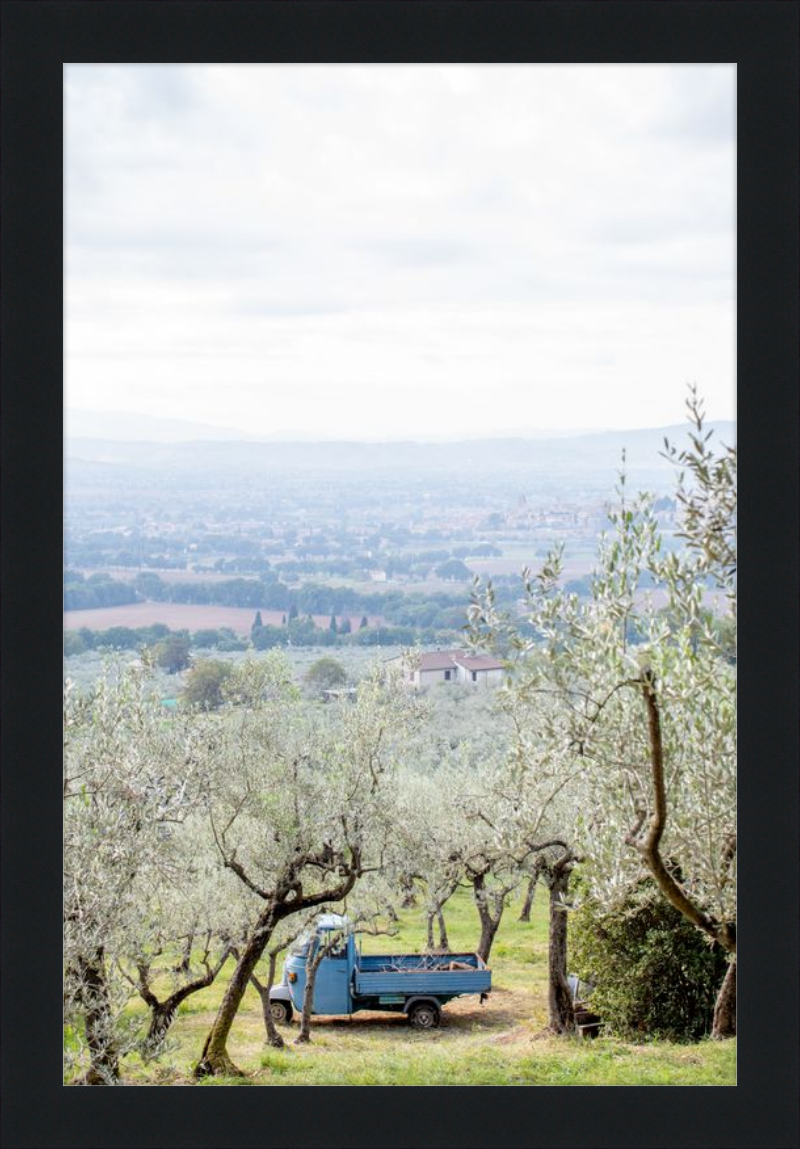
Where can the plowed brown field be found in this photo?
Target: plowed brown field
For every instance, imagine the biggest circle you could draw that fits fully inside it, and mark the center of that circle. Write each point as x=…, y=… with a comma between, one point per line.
x=180, y=616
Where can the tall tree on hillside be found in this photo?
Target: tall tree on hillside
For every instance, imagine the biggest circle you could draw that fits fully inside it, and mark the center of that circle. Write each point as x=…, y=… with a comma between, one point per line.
x=643, y=701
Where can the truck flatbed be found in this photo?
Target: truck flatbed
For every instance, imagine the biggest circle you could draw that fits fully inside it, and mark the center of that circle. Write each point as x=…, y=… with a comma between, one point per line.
x=439, y=974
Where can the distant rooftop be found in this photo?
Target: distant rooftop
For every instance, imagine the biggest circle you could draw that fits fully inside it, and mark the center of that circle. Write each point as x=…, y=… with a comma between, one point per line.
x=446, y=659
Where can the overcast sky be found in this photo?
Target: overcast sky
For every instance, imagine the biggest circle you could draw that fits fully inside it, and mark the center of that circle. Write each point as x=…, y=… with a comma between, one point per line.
x=384, y=251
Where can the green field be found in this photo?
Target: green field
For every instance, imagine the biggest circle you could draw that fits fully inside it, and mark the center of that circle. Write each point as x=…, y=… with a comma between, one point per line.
x=504, y=1042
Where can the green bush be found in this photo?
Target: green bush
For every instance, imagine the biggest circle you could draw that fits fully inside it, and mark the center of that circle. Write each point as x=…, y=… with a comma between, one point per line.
x=655, y=974
x=204, y=683
x=325, y=674
x=226, y=645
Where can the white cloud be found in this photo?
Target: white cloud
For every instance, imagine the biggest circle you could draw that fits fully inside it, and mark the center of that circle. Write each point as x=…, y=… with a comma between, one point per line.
x=381, y=250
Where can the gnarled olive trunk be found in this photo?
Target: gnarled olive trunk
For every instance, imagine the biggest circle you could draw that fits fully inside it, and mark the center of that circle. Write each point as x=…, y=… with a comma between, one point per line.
x=287, y=899
x=162, y=1016
x=162, y=1013
x=312, y=965
x=100, y=1037
x=431, y=916
x=724, y=1024
x=488, y=931
x=273, y=1037
x=214, y=1059
x=559, y=998
x=530, y=894
x=430, y=941
x=186, y=958
x=444, y=941
x=490, y=922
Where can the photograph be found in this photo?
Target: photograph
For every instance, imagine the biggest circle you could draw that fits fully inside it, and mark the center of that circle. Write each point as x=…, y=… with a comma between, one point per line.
x=400, y=574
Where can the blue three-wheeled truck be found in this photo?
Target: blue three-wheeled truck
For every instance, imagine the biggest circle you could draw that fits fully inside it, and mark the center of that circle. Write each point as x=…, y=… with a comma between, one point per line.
x=347, y=981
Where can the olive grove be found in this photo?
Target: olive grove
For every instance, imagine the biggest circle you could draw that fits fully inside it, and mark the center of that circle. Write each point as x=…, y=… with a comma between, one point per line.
x=209, y=837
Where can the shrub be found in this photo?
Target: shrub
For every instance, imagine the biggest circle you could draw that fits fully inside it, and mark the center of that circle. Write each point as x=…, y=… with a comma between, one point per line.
x=654, y=973
x=226, y=645
x=204, y=682
x=172, y=653
x=206, y=638
x=325, y=674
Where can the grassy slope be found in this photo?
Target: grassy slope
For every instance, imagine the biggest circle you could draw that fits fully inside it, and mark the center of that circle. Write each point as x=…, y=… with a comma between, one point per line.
x=503, y=1042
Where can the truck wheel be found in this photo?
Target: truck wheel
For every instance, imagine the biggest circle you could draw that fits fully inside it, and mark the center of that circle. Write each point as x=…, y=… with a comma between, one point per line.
x=281, y=1012
x=424, y=1015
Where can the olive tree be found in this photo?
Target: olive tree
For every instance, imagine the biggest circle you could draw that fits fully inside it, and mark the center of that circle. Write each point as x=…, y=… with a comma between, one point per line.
x=204, y=910
x=299, y=806
x=427, y=838
x=129, y=778
x=633, y=690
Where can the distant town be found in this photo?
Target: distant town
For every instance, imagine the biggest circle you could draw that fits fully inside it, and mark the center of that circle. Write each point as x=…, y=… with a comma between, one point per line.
x=331, y=543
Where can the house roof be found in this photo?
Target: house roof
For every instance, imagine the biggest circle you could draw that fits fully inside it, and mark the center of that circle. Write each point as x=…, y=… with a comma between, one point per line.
x=448, y=659
x=437, y=660
x=478, y=662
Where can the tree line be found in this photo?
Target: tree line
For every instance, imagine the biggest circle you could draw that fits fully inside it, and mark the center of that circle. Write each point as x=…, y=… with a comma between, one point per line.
x=299, y=632
x=414, y=609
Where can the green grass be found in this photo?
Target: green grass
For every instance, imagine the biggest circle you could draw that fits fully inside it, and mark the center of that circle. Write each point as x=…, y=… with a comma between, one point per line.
x=504, y=1042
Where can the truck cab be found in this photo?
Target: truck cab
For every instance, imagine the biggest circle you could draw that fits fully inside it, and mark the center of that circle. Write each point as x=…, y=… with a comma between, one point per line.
x=331, y=988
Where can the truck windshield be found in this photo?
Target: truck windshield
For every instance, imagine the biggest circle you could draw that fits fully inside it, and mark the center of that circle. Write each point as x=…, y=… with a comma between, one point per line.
x=338, y=948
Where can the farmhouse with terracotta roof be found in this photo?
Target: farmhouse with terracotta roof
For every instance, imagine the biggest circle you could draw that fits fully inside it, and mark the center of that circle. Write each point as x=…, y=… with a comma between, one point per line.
x=430, y=668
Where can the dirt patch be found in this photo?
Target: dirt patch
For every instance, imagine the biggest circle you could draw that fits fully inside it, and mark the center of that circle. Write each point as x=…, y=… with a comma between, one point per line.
x=511, y=1037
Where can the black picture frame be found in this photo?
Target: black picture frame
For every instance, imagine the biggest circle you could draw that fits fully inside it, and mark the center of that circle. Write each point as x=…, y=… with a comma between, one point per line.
x=762, y=38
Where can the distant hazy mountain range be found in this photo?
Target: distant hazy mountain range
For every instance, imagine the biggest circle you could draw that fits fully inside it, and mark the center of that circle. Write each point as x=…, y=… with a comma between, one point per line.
x=598, y=451
x=129, y=427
